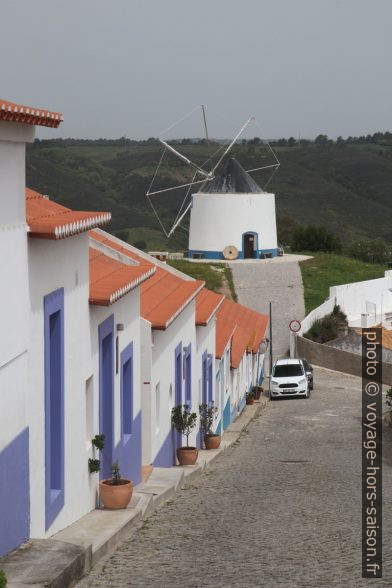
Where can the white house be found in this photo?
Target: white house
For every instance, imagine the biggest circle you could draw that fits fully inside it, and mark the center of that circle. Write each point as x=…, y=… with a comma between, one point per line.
x=232, y=218
x=69, y=353
x=97, y=338
x=170, y=357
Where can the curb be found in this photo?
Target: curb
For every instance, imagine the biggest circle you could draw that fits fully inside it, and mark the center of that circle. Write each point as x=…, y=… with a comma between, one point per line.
x=98, y=533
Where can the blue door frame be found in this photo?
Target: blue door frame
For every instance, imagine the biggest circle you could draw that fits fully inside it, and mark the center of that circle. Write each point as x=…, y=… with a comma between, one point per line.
x=178, y=386
x=54, y=404
x=106, y=393
x=209, y=380
x=188, y=376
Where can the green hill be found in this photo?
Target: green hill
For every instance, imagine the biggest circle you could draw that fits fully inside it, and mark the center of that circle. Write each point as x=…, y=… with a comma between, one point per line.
x=344, y=186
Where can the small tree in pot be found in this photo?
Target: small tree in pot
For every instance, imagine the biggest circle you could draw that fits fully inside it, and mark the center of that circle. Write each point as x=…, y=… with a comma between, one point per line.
x=250, y=398
x=184, y=422
x=115, y=492
x=207, y=416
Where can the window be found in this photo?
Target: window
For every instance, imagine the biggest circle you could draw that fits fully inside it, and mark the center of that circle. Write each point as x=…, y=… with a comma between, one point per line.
x=127, y=390
x=89, y=411
x=287, y=370
x=157, y=406
x=170, y=398
x=54, y=404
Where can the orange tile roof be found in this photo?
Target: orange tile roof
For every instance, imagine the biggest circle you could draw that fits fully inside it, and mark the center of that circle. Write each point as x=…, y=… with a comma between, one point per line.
x=245, y=325
x=110, y=279
x=29, y=115
x=165, y=295
x=49, y=220
x=207, y=303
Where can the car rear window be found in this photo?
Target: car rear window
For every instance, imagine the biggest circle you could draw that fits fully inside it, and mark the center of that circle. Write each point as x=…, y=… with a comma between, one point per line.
x=287, y=371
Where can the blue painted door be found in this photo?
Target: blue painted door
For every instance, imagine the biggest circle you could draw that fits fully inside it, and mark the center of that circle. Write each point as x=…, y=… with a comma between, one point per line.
x=188, y=377
x=209, y=379
x=130, y=446
x=204, y=378
x=178, y=387
x=106, y=394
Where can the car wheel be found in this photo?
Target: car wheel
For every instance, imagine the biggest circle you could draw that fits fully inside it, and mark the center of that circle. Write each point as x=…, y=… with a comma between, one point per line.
x=308, y=393
x=270, y=396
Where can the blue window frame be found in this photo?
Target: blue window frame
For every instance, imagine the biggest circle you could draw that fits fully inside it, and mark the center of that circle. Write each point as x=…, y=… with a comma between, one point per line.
x=127, y=391
x=54, y=404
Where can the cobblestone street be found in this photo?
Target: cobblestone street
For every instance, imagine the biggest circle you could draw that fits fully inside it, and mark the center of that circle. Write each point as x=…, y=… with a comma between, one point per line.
x=280, y=508
x=278, y=280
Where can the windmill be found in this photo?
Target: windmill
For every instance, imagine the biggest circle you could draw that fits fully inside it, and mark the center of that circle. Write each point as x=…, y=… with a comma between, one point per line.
x=218, y=174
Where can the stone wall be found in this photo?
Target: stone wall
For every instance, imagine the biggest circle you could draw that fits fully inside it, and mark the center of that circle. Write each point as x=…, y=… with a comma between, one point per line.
x=336, y=359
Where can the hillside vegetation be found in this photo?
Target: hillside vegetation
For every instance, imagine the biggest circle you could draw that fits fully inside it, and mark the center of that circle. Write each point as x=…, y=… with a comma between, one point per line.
x=326, y=269
x=345, y=186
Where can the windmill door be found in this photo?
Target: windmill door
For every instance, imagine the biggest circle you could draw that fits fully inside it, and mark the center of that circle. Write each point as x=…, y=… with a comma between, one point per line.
x=249, y=242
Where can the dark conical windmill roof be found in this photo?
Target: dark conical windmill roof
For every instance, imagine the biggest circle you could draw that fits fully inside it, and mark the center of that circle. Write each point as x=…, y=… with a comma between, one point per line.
x=232, y=179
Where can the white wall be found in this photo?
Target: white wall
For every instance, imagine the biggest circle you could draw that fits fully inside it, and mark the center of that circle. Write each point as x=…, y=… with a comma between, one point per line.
x=53, y=265
x=205, y=342
x=354, y=300
x=14, y=306
x=56, y=264
x=219, y=220
x=182, y=330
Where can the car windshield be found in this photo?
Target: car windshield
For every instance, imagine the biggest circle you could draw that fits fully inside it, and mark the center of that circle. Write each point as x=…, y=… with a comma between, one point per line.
x=288, y=370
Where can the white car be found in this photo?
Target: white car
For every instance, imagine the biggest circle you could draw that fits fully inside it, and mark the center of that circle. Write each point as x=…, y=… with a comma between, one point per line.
x=289, y=379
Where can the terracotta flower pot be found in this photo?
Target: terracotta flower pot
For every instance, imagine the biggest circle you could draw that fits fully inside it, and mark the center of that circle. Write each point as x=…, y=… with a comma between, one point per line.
x=212, y=441
x=187, y=455
x=249, y=401
x=115, y=497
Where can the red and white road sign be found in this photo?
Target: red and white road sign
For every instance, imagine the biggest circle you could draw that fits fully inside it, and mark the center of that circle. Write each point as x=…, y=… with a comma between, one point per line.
x=295, y=326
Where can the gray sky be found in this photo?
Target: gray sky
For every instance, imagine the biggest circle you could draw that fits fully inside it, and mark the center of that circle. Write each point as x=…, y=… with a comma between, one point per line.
x=132, y=67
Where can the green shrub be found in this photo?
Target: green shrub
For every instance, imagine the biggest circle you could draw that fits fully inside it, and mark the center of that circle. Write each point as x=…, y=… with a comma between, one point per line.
x=389, y=398
x=3, y=579
x=327, y=328
x=313, y=238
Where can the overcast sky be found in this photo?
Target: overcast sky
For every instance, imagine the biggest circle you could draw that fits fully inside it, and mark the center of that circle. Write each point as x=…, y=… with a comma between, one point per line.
x=132, y=67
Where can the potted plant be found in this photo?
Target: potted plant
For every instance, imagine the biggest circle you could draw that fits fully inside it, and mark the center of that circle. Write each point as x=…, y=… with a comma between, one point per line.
x=258, y=390
x=94, y=465
x=184, y=422
x=115, y=492
x=249, y=398
x=207, y=415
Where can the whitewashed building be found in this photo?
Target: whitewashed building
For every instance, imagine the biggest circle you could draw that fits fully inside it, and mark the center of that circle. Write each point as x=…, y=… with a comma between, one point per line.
x=97, y=338
x=232, y=218
x=69, y=351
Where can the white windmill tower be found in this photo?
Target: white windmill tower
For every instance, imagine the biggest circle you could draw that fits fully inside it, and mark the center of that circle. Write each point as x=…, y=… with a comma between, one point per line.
x=230, y=215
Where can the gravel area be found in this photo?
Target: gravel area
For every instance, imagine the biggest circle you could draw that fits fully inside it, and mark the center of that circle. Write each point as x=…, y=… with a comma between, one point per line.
x=279, y=281
x=279, y=508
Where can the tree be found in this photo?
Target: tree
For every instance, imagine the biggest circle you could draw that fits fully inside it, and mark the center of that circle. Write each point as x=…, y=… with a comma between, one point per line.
x=312, y=238
x=183, y=420
x=291, y=142
x=321, y=139
x=140, y=244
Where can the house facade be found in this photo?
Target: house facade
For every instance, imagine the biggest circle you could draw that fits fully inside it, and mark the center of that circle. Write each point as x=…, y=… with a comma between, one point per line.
x=98, y=338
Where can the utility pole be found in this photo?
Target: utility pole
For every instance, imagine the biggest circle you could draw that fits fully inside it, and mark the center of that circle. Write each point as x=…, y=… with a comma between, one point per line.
x=270, y=344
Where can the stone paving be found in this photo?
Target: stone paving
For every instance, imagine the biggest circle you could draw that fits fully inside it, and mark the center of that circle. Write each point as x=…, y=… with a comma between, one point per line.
x=277, y=280
x=279, y=508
